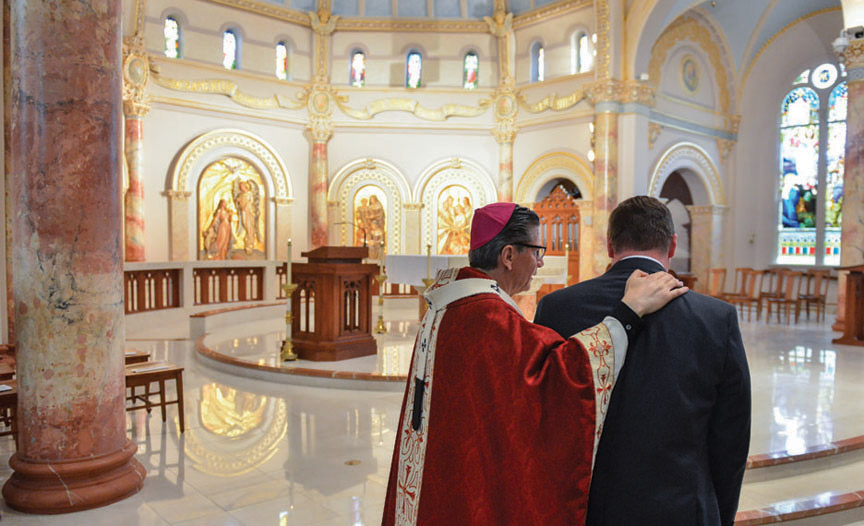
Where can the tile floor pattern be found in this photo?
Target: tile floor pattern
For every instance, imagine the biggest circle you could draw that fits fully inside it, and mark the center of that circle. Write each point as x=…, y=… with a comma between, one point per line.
x=260, y=453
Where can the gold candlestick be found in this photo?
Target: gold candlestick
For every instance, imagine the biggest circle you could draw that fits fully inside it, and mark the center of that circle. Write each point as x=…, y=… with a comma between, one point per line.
x=287, y=352
x=428, y=262
x=566, y=264
x=380, y=328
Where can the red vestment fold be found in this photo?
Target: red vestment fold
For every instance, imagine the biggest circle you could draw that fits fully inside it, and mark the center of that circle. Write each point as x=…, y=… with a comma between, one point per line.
x=510, y=423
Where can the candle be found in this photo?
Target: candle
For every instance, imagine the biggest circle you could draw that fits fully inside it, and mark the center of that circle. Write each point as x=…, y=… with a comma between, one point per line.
x=381, y=255
x=288, y=264
x=428, y=261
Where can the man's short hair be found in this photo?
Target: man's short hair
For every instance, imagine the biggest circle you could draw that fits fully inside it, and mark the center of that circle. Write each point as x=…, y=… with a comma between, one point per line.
x=517, y=230
x=640, y=223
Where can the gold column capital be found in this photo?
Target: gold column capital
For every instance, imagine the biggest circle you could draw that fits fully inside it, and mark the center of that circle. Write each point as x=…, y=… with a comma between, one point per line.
x=853, y=56
x=506, y=110
x=623, y=92
x=177, y=195
x=136, y=76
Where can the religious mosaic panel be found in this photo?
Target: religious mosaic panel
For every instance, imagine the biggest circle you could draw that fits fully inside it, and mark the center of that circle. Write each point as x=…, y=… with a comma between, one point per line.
x=370, y=219
x=231, y=211
x=455, y=211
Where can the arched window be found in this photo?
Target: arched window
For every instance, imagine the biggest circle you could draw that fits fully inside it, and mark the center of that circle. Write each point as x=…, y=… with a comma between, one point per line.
x=358, y=69
x=230, y=48
x=282, y=61
x=813, y=113
x=172, y=37
x=470, y=69
x=586, y=56
x=536, y=62
x=413, y=69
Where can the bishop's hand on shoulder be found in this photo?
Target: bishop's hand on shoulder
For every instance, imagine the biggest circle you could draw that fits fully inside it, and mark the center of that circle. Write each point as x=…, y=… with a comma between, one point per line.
x=646, y=293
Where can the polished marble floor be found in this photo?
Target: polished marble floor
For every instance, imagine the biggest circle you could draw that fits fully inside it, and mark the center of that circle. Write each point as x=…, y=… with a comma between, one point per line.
x=261, y=453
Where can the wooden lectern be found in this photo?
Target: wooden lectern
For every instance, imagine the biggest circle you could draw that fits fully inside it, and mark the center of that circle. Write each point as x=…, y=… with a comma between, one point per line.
x=332, y=306
x=853, y=328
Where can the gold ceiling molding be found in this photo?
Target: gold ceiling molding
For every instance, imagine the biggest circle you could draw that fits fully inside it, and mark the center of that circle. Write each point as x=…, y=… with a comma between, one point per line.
x=231, y=90
x=604, y=44
x=549, y=12
x=280, y=13
x=412, y=106
x=552, y=102
x=689, y=28
x=396, y=25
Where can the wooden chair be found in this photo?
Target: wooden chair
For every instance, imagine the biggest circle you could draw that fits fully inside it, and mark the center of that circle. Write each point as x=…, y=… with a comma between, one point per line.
x=789, y=279
x=144, y=374
x=740, y=284
x=716, y=282
x=752, y=280
x=8, y=408
x=813, y=289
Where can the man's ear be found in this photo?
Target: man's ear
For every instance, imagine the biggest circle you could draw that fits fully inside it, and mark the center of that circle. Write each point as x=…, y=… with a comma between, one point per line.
x=506, y=257
x=672, y=246
x=609, y=250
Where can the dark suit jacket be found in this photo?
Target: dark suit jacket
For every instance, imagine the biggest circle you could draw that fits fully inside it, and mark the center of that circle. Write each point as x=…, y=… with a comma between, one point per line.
x=677, y=432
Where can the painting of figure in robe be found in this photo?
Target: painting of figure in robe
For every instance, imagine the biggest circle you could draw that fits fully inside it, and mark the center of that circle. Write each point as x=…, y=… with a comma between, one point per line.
x=455, y=212
x=231, y=211
x=370, y=218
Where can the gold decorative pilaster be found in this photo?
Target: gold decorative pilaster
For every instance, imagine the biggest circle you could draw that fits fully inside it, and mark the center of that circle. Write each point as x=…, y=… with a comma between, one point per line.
x=323, y=24
x=136, y=74
x=604, y=40
x=501, y=26
x=506, y=109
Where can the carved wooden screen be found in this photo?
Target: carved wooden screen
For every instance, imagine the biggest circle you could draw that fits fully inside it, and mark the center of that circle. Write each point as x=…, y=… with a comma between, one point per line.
x=559, y=225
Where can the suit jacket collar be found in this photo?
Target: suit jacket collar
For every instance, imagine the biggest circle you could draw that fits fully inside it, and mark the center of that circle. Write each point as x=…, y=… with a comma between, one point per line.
x=631, y=264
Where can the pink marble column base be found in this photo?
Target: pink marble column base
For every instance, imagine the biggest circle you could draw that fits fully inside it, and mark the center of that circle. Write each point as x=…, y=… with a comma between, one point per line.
x=67, y=486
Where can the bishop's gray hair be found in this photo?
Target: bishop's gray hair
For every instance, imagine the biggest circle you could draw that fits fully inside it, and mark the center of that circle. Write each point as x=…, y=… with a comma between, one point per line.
x=517, y=230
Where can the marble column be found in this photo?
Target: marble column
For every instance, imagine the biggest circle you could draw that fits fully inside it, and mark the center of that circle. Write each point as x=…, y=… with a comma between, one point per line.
x=67, y=257
x=852, y=233
x=605, y=196
x=178, y=226
x=134, y=209
x=318, y=194
x=586, y=241
x=413, y=232
x=505, y=170
x=706, y=241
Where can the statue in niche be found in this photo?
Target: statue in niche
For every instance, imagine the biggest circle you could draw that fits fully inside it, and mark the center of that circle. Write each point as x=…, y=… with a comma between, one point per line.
x=371, y=216
x=454, y=221
x=247, y=201
x=231, y=211
x=218, y=234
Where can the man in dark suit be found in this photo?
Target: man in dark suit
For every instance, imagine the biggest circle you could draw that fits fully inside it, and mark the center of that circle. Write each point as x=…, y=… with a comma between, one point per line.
x=676, y=436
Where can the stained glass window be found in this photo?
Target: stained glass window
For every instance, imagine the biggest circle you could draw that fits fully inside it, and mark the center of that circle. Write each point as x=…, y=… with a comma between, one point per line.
x=229, y=50
x=813, y=114
x=172, y=38
x=282, y=61
x=834, y=173
x=413, y=70
x=358, y=69
x=470, y=68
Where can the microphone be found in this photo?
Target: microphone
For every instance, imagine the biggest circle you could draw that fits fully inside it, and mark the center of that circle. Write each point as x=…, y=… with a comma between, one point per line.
x=355, y=226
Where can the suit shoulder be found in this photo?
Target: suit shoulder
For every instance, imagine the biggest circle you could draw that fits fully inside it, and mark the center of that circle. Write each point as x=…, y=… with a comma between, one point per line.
x=706, y=302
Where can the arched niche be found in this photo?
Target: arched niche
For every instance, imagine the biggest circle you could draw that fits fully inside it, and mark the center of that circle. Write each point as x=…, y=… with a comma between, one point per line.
x=205, y=150
x=437, y=183
x=356, y=177
x=700, y=174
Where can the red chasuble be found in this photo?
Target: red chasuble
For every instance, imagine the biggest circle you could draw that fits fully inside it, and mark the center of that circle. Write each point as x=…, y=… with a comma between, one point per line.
x=506, y=427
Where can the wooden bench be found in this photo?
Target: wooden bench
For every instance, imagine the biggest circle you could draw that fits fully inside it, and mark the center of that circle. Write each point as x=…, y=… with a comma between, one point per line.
x=135, y=356
x=145, y=374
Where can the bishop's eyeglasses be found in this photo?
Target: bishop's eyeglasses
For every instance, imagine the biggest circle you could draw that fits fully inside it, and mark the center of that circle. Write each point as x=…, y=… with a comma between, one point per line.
x=539, y=250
